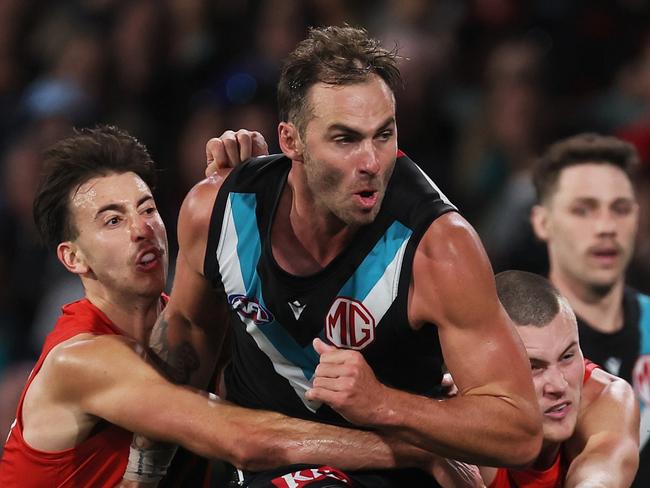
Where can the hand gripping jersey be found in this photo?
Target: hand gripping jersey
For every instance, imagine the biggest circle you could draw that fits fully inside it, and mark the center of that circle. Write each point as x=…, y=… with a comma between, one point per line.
x=626, y=353
x=552, y=477
x=358, y=301
x=98, y=461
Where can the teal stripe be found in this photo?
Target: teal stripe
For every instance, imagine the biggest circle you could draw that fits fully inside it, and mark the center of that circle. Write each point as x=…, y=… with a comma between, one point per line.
x=374, y=265
x=248, y=238
x=248, y=251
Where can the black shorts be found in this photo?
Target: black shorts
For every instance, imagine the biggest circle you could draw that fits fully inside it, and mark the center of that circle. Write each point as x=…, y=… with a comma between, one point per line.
x=310, y=476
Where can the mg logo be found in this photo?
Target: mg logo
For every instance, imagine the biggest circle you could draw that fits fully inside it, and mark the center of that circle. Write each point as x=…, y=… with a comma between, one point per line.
x=349, y=324
x=249, y=308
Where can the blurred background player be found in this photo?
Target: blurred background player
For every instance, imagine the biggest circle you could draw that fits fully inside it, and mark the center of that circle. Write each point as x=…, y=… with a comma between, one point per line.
x=588, y=215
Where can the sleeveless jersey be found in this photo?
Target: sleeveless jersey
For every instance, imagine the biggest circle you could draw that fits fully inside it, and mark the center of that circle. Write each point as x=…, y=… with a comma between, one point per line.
x=552, y=477
x=98, y=461
x=626, y=353
x=358, y=301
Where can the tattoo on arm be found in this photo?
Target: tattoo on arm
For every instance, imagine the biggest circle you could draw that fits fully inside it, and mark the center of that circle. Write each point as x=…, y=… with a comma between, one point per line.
x=176, y=361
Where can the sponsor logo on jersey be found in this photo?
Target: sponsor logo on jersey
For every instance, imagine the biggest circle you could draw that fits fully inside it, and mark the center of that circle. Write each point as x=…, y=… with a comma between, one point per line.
x=308, y=476
x=249, y=308
x=641, y=378
x=349, y=324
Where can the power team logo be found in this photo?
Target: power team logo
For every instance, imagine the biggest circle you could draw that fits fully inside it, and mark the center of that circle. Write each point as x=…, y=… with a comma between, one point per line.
x=308, y=476
x=641, y=378
x=249, y=308
x=349, y=324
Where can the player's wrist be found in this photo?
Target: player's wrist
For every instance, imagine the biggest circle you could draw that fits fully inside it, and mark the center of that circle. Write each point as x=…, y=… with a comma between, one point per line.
x=149, y=465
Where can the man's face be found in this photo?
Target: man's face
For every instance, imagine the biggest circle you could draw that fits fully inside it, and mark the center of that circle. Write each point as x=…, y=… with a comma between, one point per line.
x=350, y=147
x=589, y=224
x=558, y=369
x=122, y=239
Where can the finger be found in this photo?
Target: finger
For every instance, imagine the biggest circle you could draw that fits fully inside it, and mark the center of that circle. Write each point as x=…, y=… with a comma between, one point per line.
x=322, y=395
x=333, y=384
x=245, y=142
x=321, y=347
x=331, y=370
x=211, y=169
x=260, y=147
x=231, y=147
x=214, y=151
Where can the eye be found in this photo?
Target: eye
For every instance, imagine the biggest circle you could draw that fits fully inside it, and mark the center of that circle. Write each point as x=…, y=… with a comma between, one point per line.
x=622, y=208
x=568, y=356
x=343, y=139
x=386, y=135
x=579, y=211
x=112, y=221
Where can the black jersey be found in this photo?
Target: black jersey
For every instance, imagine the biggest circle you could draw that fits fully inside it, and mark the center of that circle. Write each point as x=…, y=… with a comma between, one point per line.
x=358, y=301
x=626, y=353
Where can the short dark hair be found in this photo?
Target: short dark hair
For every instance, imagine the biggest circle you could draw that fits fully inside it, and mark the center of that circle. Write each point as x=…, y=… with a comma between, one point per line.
x=336, y=56
x=528, y=298
x=69, y=163
x=581, y=149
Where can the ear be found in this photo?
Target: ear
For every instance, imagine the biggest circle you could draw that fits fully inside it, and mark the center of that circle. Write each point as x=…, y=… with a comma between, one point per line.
x=539, y=221
x=72, y=257
x=290, y=142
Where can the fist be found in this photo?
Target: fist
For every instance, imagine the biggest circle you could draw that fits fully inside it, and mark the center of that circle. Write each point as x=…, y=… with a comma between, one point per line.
x=231, y=148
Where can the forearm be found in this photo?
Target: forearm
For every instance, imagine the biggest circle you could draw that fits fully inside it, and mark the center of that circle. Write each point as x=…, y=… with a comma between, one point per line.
x=259, y=440
x=184, y=353
x=478, y=429
x=604, y=464
x=293, y=441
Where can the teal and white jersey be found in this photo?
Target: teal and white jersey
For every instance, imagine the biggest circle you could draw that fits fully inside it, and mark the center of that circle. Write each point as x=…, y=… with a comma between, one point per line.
x=358, y=301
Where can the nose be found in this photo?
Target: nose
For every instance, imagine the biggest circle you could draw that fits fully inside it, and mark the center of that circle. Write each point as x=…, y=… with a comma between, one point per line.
x=368, y=158
x=141, y=228
x=606, y=224
x=555, y=383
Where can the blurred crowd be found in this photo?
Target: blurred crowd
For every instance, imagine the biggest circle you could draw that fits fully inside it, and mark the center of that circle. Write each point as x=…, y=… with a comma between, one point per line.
x=487, y=85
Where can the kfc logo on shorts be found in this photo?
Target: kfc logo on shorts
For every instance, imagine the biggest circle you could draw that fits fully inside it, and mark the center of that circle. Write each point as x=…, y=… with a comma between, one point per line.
x=305, y=477
x=249, y=308
x=641, y=378
x=349, y=324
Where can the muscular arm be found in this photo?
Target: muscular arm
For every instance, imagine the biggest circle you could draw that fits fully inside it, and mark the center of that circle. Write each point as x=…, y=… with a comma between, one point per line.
x=604, y=449
x=494, y=420
x=188, y=335
x=106, y=378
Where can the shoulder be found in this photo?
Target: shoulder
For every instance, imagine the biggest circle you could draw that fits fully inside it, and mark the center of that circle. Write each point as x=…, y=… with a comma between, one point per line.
x=77, y=365
x=196, y=209
x=603, y=387
x=451, y=272
x=447, y=235
x=81, y=354
x=450, y=250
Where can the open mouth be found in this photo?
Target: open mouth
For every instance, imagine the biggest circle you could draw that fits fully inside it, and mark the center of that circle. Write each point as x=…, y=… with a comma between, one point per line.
x=148, y=259
x=367, y=198
x=558, y=411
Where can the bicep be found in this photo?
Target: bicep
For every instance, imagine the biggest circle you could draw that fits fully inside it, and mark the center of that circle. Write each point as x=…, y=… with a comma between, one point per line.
x=453, y=288
x=119, y=386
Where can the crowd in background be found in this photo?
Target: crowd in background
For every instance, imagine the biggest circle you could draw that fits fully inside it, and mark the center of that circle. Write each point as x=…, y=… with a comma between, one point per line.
x=487, y=85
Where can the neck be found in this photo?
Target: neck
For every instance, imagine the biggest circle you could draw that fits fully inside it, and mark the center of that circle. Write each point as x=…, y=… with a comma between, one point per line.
x=547, y=456
x=314, y=233
x=135, y=316
x=601, y=307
